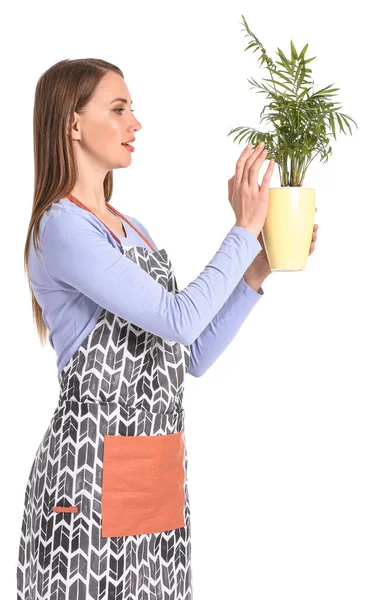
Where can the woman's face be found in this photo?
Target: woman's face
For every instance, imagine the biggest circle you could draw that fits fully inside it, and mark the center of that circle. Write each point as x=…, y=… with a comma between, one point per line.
x=98, y=132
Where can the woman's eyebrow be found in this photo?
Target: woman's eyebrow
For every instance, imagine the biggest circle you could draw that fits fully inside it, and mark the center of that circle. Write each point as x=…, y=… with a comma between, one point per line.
x=121, y=100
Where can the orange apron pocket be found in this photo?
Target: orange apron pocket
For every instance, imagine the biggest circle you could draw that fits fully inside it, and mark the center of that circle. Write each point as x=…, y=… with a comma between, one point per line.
x=143, y=484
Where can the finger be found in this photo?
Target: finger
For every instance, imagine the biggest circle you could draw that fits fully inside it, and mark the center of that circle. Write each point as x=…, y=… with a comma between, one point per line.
x=252, y=166
x=230, y=187
x=267, y=176
x=242, y=173
x=241, y=163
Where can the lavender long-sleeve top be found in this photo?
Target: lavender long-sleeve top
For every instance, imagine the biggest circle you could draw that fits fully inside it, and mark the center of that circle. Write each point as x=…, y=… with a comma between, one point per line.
x=81, y=270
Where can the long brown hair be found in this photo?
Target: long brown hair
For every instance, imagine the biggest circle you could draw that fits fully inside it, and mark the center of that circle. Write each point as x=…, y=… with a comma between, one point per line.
x=66, y=87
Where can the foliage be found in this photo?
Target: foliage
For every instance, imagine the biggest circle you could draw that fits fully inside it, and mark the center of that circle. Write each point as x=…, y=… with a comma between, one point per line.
x=303, y=119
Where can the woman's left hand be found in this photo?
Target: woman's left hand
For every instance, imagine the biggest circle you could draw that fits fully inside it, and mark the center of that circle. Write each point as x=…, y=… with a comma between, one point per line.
x=261, y=263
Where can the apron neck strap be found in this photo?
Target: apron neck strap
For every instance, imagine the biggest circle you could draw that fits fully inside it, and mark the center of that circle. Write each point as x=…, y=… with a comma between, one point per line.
x=81, y=205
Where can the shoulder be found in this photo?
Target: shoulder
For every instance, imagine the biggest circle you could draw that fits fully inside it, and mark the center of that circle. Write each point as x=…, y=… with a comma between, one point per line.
x=64, y=222
x=64, y=219
x=64, y=211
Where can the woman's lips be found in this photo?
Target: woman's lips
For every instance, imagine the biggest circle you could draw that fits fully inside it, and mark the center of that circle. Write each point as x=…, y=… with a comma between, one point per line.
x=128, y=147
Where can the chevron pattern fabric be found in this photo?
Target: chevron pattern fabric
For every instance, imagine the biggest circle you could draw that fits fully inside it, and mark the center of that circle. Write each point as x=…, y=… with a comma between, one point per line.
x=123, y=381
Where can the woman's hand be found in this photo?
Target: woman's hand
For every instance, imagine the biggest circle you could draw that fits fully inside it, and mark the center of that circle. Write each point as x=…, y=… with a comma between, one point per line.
x=261, y=264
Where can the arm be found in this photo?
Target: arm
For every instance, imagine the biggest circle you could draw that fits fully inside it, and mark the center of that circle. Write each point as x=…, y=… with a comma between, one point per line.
x=222, y=329
x=78, y=255
x=225, y=324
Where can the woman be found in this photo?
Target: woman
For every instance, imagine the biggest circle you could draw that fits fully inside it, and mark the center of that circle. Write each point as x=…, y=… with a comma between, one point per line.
x=106, y=509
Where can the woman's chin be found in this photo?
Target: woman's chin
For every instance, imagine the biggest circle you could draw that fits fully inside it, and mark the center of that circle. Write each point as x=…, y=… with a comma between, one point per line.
x=123, y=165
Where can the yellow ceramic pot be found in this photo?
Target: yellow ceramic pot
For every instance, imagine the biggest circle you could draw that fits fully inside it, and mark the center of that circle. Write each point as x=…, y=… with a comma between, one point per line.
x=287, y=232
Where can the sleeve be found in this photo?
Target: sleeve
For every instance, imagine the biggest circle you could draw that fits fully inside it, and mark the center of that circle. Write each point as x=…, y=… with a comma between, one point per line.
x=223, y=328
x=79, y=255
x=220, y=332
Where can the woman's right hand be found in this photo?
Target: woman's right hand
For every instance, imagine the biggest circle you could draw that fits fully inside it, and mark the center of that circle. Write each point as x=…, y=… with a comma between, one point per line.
x=249, y=200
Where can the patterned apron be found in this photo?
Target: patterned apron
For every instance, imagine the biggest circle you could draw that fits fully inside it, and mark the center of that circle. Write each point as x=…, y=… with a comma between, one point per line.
x=106, y=509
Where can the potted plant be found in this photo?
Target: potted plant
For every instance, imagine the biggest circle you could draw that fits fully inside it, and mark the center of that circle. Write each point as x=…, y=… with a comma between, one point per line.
x=303, y=121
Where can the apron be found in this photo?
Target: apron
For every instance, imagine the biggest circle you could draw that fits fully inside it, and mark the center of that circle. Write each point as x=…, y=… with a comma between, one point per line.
x=106, y=509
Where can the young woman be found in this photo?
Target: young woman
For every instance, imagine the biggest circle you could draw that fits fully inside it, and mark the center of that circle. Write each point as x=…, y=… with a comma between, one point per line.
x=106, y=509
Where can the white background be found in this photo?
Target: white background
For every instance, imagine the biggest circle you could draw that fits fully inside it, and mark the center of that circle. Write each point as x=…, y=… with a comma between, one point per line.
x=282, y=431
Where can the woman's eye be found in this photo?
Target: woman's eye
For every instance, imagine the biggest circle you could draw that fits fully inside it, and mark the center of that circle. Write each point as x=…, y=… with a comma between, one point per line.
x=116, y=109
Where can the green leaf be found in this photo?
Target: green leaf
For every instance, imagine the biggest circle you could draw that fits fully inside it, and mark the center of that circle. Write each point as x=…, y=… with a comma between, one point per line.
x=243, y=132
x=302, y=53
x=331, y=122
x=293, y=52
x=340, y=123
x=278, y=83
x=346, y=117
x=282, y=74
x=286, y=64
x=346, y=123
x=301, y=79
x=321, y=92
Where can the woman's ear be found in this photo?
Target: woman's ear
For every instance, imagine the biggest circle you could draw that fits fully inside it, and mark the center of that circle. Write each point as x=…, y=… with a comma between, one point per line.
x=74, y=130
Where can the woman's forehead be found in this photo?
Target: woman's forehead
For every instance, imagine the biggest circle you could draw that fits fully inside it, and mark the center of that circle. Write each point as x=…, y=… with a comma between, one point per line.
x=111, y=87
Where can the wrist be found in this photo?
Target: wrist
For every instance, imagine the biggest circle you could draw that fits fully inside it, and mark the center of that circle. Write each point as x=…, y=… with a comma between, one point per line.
x=253, y=229
x=255, y=282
